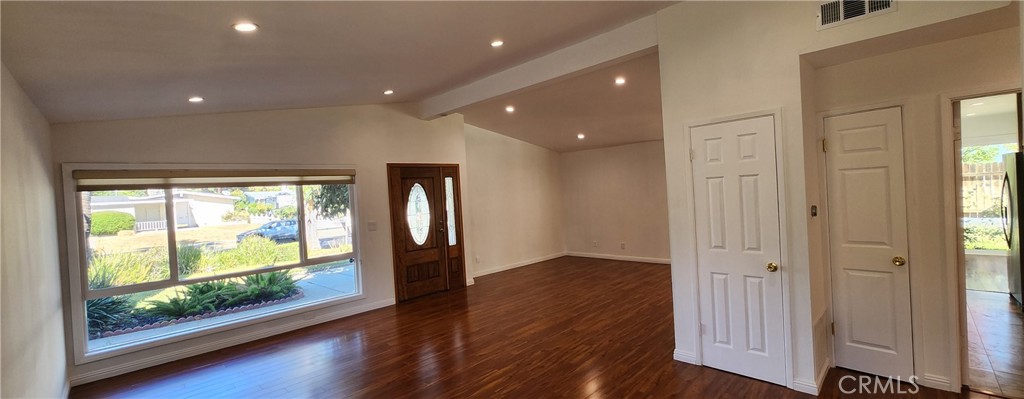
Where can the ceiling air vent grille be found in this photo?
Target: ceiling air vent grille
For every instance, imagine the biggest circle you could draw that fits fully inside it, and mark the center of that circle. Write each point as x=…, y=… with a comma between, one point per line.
x=839, y=12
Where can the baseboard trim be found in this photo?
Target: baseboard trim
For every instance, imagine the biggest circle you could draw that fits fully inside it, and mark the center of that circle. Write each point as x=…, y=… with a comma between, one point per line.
x=823, y=372
x=222, y=343
x=804, y=386
x=685, y=357
x=936, y=381
x=518, y=264
x=620, y=257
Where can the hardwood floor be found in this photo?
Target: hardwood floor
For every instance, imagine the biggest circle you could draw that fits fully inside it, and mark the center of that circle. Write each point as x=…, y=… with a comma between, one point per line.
x=565, y=328
x=995, y=327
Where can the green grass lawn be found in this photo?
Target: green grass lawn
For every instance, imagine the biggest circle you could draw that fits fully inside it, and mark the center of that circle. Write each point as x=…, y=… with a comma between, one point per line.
x=156, y=239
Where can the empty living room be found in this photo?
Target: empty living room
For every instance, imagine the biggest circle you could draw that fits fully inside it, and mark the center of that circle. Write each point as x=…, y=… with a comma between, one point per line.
x=511, y=199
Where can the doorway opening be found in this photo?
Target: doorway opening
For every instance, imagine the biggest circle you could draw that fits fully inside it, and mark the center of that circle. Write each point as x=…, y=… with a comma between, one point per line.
x=991, y=174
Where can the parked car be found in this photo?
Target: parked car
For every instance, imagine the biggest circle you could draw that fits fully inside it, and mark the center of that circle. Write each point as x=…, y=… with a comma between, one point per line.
x=278, y=230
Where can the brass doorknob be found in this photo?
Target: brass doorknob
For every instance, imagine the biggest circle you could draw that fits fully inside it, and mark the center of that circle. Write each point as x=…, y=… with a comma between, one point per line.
x=899, y=260
x=772, y=267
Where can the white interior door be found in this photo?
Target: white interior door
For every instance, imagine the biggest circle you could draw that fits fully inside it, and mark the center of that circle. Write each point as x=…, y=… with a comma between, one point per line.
x=868, y=242
x=737, y=214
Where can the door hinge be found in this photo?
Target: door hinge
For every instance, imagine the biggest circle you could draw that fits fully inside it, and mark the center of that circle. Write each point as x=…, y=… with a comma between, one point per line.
x=691, y=155
x=833, y=328
x=701, y=328
x=824, y=146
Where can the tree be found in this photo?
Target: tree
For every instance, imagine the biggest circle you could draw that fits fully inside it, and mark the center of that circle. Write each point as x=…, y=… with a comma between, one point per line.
x=985, y=153
x=329, y=200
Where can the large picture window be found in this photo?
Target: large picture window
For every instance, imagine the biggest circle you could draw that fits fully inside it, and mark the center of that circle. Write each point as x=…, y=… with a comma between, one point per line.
x=168, y=253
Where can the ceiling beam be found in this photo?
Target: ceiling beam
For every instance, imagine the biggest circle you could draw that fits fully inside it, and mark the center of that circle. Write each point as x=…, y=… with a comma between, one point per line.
x=633, y=38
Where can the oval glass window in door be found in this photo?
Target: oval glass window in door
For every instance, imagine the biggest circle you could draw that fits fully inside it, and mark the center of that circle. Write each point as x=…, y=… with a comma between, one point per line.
x=417, y=212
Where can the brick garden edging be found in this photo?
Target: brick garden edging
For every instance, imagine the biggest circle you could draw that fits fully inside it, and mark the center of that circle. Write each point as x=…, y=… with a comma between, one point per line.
x=207, y=315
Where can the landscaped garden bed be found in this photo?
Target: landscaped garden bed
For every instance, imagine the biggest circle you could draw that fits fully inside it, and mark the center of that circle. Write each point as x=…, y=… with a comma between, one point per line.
x=142, y=321
x=117, y=315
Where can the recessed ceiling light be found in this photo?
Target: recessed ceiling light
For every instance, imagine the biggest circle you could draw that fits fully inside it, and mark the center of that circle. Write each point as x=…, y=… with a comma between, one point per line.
x=977, y=104
x=580, y=136
x=195, y=99
x=620, y=81
x=510, y=109
x=971, y=114
x=497, y=43
x=245, y=26
x=389, y=92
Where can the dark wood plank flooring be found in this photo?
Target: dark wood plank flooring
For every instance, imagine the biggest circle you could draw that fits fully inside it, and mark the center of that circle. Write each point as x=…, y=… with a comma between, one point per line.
x=565, y=328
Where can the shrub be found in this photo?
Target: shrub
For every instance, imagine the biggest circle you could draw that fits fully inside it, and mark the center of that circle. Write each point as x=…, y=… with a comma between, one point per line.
x=189, y=257
x=236, y=216
x=183, y=304
x=101, y=275
x=105, y=314
x=286, y=212
x=253, y=250
x=126, y=268
x=259, y=208
x=265, y=287
x=110, y=222
x=220, y=291
x=984, y=237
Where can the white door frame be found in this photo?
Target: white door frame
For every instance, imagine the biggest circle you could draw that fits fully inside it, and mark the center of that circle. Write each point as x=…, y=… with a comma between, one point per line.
x=694, y=276
x=956, y=272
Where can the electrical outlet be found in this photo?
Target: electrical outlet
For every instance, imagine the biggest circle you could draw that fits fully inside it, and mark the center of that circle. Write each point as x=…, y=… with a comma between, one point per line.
x=371, y=225
x=622, y=245
x=595, y=244
x=477, y=258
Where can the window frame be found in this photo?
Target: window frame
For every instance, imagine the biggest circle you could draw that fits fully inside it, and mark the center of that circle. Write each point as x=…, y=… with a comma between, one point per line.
x=77, y=264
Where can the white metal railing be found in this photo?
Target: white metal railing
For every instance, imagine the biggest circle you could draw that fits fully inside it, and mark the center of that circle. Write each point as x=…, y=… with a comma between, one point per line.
x=150, y=226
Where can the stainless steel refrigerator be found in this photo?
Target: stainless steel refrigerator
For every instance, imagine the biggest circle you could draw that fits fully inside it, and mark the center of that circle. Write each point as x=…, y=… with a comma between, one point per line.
x=1012, y=215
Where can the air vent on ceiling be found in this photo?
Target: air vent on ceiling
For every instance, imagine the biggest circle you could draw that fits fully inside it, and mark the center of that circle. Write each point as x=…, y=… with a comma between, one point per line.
x=838, y=12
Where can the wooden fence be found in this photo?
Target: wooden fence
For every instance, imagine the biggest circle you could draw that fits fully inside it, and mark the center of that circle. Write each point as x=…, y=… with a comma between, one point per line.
x=982, y=187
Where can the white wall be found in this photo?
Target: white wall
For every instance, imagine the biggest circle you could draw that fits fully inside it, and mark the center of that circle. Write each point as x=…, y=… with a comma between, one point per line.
x=367, y=137
x=915, y=79
x=720, y=59
x=617, y=195
x=31, y=320
x=516, y=198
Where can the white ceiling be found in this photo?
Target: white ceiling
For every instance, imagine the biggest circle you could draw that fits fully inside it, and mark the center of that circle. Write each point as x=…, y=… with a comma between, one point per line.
x=113, y=60
x=998, y=104
x=552, y=115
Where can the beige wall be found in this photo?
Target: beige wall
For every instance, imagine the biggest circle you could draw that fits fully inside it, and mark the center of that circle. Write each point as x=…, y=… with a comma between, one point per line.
x=985, y=62
x=31, y=320
x=367, y=137
x=617, y=195
x=516, y=198
x=711, y=67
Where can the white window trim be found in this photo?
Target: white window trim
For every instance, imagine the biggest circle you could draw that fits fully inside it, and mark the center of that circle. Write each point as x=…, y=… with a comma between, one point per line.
x=76, y=265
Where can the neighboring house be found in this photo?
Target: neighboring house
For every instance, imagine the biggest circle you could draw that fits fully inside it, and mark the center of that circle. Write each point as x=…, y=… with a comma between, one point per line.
x=192, y=209
x=275, y=198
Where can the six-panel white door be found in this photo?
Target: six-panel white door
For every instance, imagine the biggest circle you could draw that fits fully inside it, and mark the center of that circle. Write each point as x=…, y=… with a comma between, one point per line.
x=868, y=242
x=737, y=219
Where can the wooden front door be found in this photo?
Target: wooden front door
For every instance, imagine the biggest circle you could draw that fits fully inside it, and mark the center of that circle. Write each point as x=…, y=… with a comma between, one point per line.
x=426, y=229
